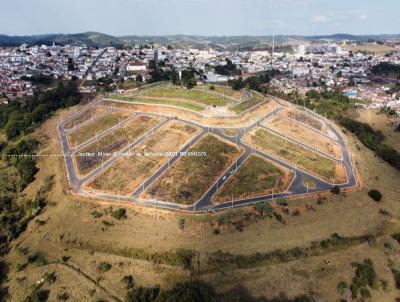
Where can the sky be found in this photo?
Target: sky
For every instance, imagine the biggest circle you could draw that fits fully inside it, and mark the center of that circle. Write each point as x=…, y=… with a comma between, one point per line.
x=200, y=17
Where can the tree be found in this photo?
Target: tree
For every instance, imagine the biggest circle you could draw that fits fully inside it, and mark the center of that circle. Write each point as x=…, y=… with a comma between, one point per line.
x=26, y=167
x=375, y=195
x=196, y=291
x=335, y=190
x=71, y=64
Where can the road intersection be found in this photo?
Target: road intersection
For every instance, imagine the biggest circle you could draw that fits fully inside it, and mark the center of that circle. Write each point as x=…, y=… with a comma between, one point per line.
x=297, y=188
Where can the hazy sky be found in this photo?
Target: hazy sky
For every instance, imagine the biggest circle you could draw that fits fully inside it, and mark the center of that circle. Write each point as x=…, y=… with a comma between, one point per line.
x=200, y=17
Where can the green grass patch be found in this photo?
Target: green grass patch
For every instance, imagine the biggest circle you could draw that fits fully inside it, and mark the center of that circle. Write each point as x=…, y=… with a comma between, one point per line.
x=256, y=99
x=195, y=95
x=187, y=180
x=294, y=153
x=255, y=176
x=99, y=125
x=182, y=104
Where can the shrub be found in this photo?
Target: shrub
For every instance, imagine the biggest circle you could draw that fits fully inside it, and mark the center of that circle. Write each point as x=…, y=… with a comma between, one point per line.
x=396, y=236
x=37, y=258
x=63, y=296
x=104, y=267
x=342, y=287
x=38, y=295
x=223, y=219
x=50, y=278
x=282, y=202
x=128, y=281
x=181, y=223
x=119, y=214
x=375, y=195
x=212, y=87
x=335, y=190
x=263, y=207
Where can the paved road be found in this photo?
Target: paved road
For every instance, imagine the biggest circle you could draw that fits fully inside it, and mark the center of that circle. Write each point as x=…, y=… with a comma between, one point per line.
x=205, y=203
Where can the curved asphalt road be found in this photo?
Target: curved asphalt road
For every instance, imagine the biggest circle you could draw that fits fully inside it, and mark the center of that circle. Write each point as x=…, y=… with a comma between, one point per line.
x=205, y=203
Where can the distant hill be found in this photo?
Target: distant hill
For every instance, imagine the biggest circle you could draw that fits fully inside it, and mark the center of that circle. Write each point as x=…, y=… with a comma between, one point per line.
x=220, y=42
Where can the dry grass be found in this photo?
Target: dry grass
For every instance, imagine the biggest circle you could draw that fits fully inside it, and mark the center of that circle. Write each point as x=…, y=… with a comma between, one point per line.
x=104, y=148
x=304, y=135
x=190, y=177
x=92, y=112
x=292, y=153
x=127, y=173
x=255, y=177
x=69, y=224
x=99, y=125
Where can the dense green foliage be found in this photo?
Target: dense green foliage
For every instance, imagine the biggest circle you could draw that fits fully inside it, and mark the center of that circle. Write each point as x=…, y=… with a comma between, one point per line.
x=218, y=260
x=229, y=69
x=373, y=140
x=256, y=82
x=386, y=69
x=365, y=276
x=187, y=79
x=22, y=117
x=119, y=214
x=198, y=291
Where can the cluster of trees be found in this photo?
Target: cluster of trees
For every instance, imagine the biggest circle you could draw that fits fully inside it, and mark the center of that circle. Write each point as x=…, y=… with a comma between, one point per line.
x=188, y=78
x=257, y=82
x=106, y=83
x=22, y=117
x=373, y=140
x=387, y=69
x=229, y=69
x=197, y=291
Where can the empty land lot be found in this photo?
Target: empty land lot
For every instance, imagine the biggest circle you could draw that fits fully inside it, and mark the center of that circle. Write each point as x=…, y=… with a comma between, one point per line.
x=255, y=100
x=195, y=95
x=113, y=142
x=226, y=90
x=84, y=116
x=99, y=125
x=191, y=176
x=313, y=163
x=303, y=117
x=129, y=172
x=159, y=101
x=304, y=135
x=257, y=176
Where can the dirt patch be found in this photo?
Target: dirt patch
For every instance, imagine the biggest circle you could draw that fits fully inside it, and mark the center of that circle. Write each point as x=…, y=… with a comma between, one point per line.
x=91, y=156
x=86, y=115
x=304, y=135
x=190, y=177
x=129, y=172
x=257, y=176
x=292, y=153
x=97, y=126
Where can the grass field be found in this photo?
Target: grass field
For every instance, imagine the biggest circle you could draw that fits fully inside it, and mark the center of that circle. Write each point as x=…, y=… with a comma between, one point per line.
x=231, y=132
x=114, y=142
x=84, y=116
x=99, y=125
x=195, y=95
x=255, y=177
x=177, y=103
x=189, y=178
x=290, y=152
x=256, y=99
x=128, y=173
x=375, y=48
x=304, y=135
x=226, y=90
